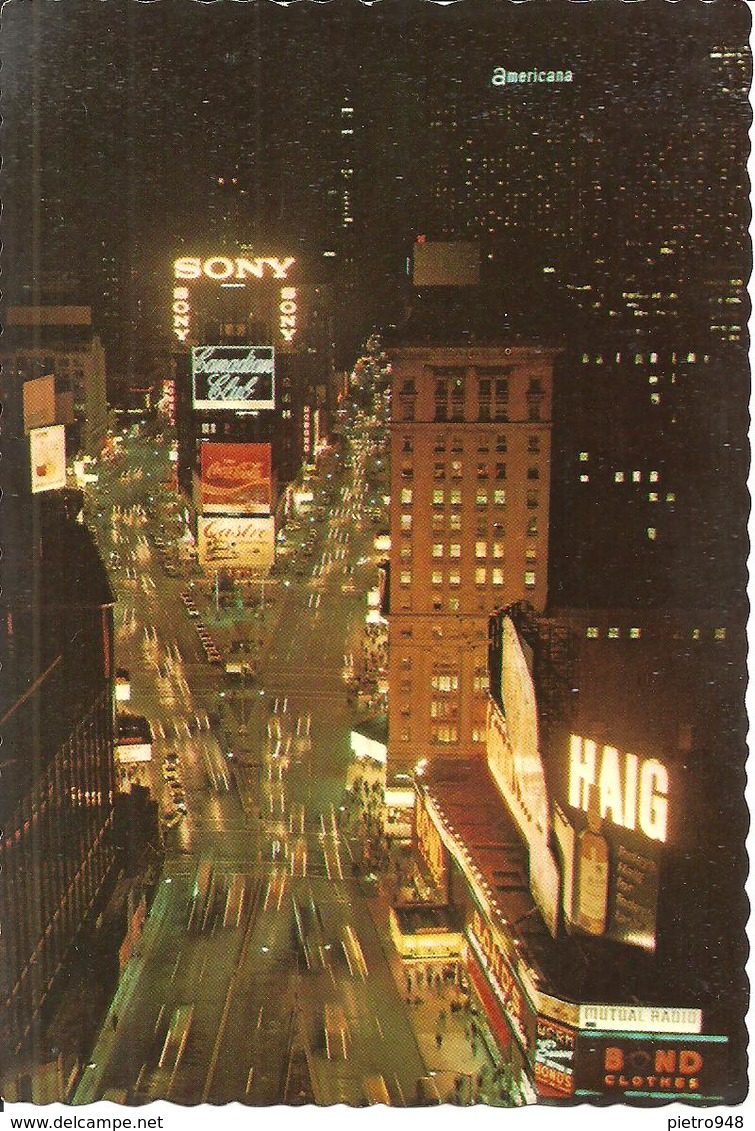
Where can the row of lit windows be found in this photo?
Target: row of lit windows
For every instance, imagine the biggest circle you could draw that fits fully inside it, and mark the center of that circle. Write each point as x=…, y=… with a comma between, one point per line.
x=615, y=633
x=483, y=446
x=481, y=576
x=639, y=358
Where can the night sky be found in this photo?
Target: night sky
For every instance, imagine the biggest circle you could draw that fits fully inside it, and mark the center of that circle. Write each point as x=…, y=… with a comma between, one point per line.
x=121, y=118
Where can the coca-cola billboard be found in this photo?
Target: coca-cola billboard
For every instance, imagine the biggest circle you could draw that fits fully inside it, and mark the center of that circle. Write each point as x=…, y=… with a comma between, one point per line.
x=235, y=478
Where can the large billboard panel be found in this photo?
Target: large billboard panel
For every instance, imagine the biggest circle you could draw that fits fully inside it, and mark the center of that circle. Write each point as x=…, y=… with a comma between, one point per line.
x=441, y=264
x=236, y=543
x=48, y=458
x=39, y=403
x=235, y=478
x=235, y=378
x=653, y=1066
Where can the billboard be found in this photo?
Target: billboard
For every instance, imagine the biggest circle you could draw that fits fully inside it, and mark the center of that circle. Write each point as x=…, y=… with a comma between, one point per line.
x=39, y=403
x=440, y=264
x=235, y=378
x=236, y=543
x=48, y=458
x=651, y=1065
x=235, y=478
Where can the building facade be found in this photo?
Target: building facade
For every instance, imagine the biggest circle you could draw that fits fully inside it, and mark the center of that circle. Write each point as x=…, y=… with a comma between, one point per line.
x=61, y=340
x=470, y=481
x=594, y=866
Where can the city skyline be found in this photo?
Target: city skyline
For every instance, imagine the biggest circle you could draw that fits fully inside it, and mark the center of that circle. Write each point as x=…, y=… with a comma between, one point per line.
x=375, y=387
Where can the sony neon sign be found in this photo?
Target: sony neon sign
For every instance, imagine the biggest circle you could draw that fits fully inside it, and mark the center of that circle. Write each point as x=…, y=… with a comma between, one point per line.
x=221, y=268
x=629, y=791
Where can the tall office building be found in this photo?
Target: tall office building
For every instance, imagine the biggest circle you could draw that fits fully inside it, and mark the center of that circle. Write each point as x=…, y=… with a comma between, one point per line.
x=470, y=479
x=57, y=853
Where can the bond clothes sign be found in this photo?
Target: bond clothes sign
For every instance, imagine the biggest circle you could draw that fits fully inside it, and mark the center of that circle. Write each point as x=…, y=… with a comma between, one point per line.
x=235, y=479
x=233, y=377
x=236, y=543
x=48, y=458
x=623, y=1064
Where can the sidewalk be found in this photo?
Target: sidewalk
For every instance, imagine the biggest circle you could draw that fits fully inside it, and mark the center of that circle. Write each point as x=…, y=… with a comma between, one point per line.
x=464, y=1061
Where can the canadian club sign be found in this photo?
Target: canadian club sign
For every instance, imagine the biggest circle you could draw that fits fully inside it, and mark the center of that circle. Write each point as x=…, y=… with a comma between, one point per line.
x=233, y=377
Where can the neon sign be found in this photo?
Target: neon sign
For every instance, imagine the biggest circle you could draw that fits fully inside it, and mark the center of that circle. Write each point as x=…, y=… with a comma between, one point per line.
x=181, y=313
x=287, y=310
x=221, y=268
x=630, y=791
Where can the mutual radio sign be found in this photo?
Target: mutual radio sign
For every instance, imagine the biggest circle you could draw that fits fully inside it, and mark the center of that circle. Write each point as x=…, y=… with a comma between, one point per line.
x=233, y=377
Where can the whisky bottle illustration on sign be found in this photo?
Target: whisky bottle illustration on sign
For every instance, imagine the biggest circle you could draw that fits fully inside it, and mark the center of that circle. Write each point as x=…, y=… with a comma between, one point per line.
x=592, y=877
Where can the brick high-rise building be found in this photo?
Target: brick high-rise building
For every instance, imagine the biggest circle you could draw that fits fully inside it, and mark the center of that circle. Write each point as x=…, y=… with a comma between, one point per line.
x=470, y=478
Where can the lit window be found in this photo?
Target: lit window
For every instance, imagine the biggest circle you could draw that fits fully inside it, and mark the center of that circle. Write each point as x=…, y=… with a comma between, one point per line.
x=592, y=633
x=652, y=379
x=455, y=497
x=613, y=634
x=655, y=398
x=480, y=550
x=499, y=497
x=406, y=522
x=454, y=550
x=455, y=522
x=719, y=634
x=498, y=577
x=584, y=478
x=437, y=549
x=406, y=552
x=692, y=357
x=635, y=633
x=584, y=456
x=437, y=522
x=453, y=604
x=437, y=577
x=637, y=477
x=454, y=579
x=532, y=526
x=406, y=577
x=652, y=533
x=654, y=359
x=671, y=497
x=654, y=476
x=498, y=549
x=530, y=554
x=618, y=477
x=406, y=496
x=456, y=469
x=482, y=498
x=652, y=496
x=529, y=579
x=696, y=634
x=480, y=576
x=438, y=497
